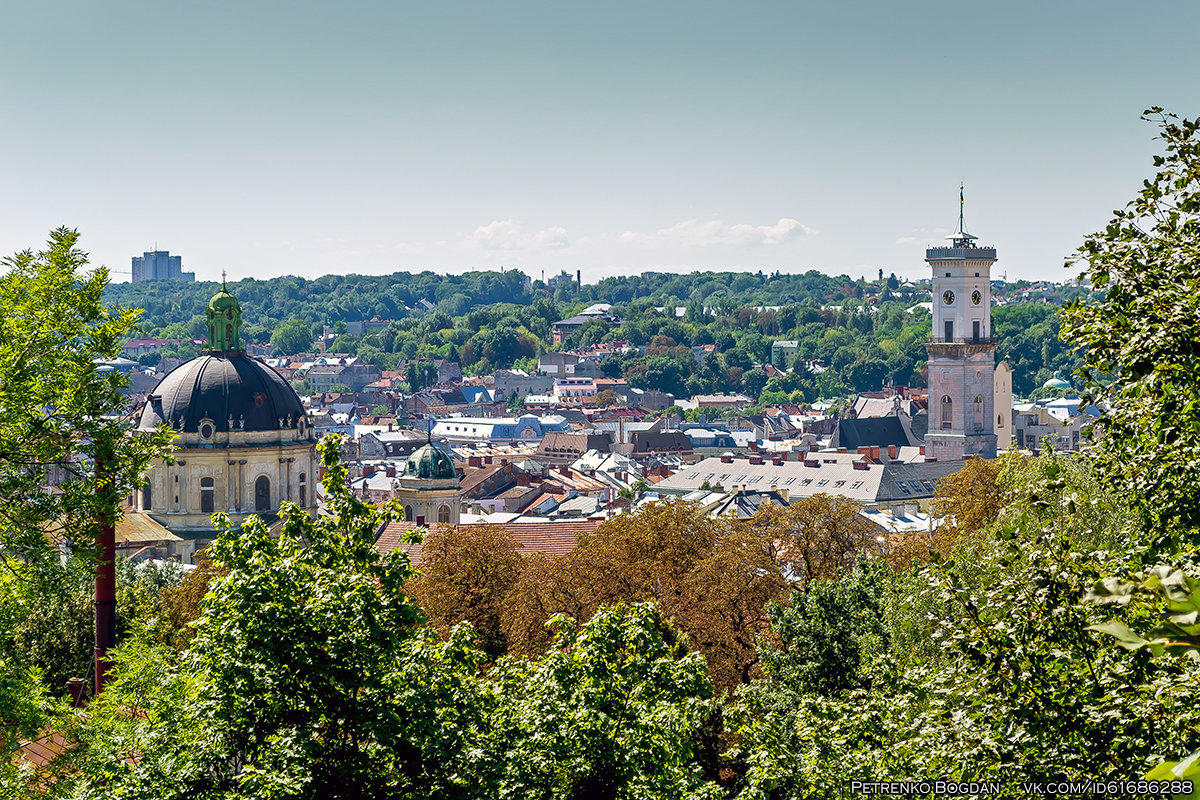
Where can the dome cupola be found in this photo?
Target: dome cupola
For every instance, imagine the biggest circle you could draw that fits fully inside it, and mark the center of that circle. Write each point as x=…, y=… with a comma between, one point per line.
x=224, y=322
x=430, y=462
x=1056, y=382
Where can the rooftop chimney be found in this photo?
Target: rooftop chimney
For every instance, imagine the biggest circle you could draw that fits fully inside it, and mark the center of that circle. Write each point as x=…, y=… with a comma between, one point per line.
x=811, y=462
x=390, y=471
x=862, y=464
x=892, y=450
x=726, y=458
x=474, y=461
x=756, y=459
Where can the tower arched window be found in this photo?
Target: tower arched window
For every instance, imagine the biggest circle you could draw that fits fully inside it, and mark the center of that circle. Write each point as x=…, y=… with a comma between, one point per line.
x=978, y=412
x=443, y=513
x=947, y=413
x=408, y=513
x=303, y=491
x=147, y=497
x=262, y=493
x=207, y=491
x=999, y=420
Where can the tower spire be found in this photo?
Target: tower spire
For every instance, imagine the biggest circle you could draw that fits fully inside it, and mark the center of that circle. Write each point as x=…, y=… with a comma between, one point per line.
x=961, y=203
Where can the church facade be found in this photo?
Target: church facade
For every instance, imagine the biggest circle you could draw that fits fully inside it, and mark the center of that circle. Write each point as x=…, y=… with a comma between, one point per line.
x=244, y=443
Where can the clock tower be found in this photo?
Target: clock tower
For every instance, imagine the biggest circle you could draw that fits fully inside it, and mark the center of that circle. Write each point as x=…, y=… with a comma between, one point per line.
x=962, y=355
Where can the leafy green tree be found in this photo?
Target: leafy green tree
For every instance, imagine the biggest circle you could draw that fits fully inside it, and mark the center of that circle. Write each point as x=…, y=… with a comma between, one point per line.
x=308, y=675
x=293, y=336
x=617, y=709
x=1141, y=341
x=829, y=632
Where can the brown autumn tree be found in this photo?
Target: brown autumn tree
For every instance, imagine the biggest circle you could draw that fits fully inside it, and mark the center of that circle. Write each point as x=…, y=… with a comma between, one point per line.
x=632, y=557
x=723, y=607
x=966, y=504
x=970, y=499
x=818, y=536
x=183, y=604
x=467, y=574
x=547, y=586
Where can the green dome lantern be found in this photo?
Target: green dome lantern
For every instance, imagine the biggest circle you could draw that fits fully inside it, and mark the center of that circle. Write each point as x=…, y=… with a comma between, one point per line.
x=224, y=322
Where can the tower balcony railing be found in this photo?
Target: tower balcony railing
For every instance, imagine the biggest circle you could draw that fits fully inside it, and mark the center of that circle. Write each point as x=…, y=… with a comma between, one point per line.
x=966, y=340
x=960, y=253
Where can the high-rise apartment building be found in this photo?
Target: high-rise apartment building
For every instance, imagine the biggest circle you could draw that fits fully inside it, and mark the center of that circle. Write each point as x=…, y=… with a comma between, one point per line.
x=157, y=265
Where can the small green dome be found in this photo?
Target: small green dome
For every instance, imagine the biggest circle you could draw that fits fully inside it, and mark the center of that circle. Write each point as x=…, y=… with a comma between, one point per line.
x=224, y=301
x=1056, y=382
x=430, y=462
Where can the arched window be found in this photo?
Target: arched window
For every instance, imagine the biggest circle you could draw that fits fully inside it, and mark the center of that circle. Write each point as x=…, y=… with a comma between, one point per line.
x=444, y=513
x=303, y=491
x=999, y=420
x=207, y=490
x=262, y=493
x=408, y=513
x=978, y=412
x=146, y=498
x=947, y=413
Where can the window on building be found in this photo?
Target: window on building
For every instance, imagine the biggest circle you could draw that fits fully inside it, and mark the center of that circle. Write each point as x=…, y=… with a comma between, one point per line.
x=949, y=330
x=443, y=513
x=978, y=412
x=303, y=491
x=838, y=484
x=975, y=330
x=947, y=413
x=999, y=420
x=822, y=483
x=408, y=513
x=207, y=490
x=262, y=493
x=856, y=484
x=146, y=498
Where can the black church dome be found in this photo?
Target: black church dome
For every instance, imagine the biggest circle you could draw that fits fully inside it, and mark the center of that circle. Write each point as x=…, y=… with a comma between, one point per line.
x=221, y=387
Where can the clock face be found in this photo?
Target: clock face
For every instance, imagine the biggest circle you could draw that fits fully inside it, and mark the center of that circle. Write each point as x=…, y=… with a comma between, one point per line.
x=948, y=297
x=976, y=297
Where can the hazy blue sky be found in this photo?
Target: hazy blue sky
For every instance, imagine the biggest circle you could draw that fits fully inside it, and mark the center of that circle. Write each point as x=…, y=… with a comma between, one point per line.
x=305, y=138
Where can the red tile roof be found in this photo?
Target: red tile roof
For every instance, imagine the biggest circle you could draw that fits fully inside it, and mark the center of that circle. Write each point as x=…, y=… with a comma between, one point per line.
x=551, y=538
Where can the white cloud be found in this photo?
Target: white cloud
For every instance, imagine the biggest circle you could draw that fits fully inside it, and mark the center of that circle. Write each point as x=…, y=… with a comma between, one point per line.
x=507, y=234
x=693, y=233
x=907, y=240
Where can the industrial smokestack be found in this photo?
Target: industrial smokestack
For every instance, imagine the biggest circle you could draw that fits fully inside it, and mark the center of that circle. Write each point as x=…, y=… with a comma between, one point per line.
x=579, y=280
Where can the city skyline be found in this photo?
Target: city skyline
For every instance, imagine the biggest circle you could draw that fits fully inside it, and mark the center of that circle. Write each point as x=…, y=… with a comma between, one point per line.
x=375, y=138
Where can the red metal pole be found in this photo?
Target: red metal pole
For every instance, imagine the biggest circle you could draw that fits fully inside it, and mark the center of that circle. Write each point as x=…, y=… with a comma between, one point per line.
x=106, y=565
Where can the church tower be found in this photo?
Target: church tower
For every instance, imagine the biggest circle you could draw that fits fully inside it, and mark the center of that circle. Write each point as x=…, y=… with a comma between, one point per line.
x=962, y=355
